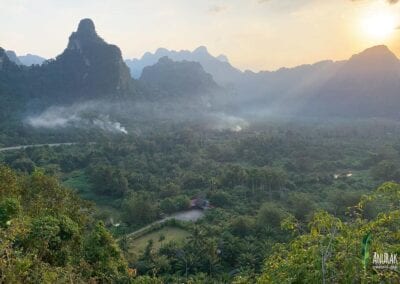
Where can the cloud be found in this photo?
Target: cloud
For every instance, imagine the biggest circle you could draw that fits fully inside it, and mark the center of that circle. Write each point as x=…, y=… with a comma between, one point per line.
x=217, y=9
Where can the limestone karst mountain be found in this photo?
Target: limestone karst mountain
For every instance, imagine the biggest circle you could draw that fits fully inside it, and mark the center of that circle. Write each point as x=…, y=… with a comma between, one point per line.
x=219, y=67
x=88, y=68
x=366, y=85
x=183, y=78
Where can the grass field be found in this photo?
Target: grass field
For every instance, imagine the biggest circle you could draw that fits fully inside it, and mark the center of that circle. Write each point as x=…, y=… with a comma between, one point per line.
x=78, y=181
x=170, y=234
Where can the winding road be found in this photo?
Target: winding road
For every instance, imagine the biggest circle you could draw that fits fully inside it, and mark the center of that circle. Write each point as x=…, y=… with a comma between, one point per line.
x=36, y=146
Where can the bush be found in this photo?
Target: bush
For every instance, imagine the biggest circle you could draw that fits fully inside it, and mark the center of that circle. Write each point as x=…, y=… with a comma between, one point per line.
x=271, y=215
x=9, y=208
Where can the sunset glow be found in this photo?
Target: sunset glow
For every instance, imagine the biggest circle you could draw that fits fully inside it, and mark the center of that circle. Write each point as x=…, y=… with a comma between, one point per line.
x=253, y=34
x=379, y=25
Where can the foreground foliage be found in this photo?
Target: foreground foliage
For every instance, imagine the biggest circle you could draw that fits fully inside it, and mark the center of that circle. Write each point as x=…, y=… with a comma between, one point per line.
x=331, y=252
x=47, y=235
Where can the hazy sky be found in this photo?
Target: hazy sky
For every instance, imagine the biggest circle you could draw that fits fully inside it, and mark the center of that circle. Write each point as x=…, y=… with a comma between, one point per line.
x=254, y=34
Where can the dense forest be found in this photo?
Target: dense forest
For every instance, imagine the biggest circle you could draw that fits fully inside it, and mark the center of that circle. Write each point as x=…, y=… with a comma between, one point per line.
x=289, y=202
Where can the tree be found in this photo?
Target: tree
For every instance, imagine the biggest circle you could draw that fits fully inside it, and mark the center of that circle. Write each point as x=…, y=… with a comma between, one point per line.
x=386, y=170
x=220, y=199
x=332, y=250
x=171, y=189
x=109, y=181
x=24, y=165
x=168, y=206
x=300, y=205
x=242, y=226
x=102, y=252
x=271, y=215
x=9, y=208
x=53, y=239
x=139, y=209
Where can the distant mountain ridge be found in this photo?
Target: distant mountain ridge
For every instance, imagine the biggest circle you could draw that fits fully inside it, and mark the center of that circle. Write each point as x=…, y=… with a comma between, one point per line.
x=31, y=59
x=178, y=78
x=366, y=85
x=219, y=67
x=27, y=60
x=344, y=88
x=183, y=83
x=13, y=57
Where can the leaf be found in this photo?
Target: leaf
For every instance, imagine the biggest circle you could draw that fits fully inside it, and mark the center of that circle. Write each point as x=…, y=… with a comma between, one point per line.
x=366, y=242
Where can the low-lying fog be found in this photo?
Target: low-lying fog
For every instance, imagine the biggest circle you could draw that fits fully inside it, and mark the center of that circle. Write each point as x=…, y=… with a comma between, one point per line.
x=118, y=118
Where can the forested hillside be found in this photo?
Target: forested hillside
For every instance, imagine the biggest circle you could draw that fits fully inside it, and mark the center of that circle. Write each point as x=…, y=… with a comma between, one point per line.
x=48, y=235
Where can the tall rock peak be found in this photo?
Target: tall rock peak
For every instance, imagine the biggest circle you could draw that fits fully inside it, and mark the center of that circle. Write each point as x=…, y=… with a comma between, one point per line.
x=90, y=66
x=85, y=34
x=86, y=26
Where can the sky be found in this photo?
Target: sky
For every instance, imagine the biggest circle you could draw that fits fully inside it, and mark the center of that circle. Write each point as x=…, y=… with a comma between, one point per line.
x=254, y=34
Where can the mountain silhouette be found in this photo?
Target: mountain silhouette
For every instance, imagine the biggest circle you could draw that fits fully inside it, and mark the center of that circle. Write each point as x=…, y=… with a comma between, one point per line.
x=88, y=68
x=182, y=78
x=365, y=85
x=27, y=60
x=368, y=84
x=31, y=59
x=219, y=67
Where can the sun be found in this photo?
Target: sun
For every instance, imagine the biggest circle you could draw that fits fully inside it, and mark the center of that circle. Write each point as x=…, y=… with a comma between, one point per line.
x=379, y=25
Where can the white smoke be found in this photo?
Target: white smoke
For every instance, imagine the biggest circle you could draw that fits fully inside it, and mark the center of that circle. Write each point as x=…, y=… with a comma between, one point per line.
x=82, y=115
x=222, y=121
x=105, y=123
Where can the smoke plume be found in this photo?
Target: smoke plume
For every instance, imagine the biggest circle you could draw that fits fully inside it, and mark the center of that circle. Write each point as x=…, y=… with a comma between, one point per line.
x=84, y=115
